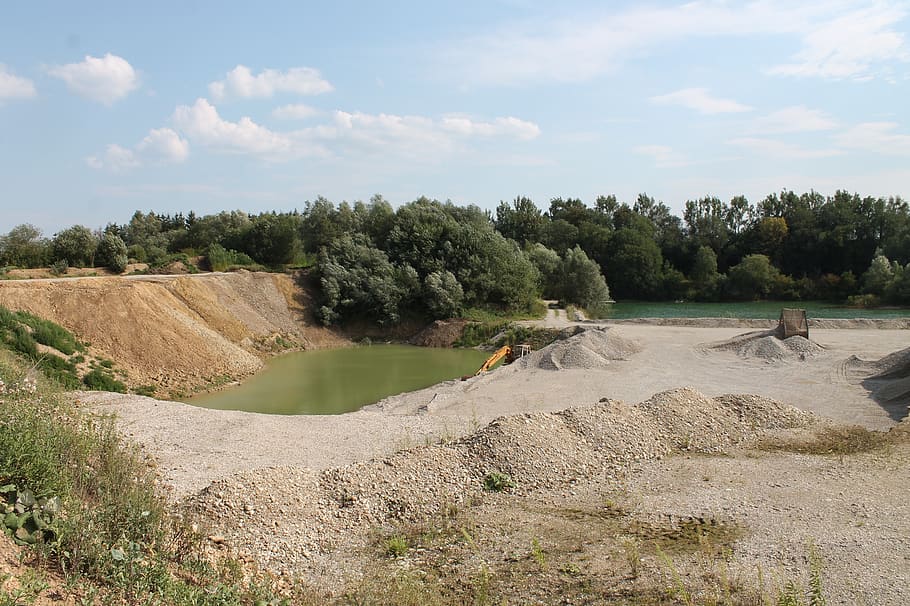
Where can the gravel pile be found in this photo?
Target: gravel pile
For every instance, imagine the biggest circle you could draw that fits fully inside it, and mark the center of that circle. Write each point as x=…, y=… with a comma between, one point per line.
x=765, y=345
x=888, y=378
x=297, y=522
x=587, y=350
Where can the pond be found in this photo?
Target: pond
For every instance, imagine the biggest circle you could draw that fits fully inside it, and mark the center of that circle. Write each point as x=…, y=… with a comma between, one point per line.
x=758, y=309
x=336, y=381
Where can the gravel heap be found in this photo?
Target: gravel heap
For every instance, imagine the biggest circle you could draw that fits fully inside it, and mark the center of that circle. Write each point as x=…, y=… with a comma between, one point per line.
x=587, y=350
x=766, y=345
x=888, y=378
x=296, y=521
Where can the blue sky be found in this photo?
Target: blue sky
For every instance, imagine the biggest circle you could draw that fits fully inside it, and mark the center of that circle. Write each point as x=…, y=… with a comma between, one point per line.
x=110, y=107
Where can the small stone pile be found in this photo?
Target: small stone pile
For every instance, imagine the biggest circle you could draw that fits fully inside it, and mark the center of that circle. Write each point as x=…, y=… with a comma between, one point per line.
x=293, y=520
x=587, y=350
x=765, y=345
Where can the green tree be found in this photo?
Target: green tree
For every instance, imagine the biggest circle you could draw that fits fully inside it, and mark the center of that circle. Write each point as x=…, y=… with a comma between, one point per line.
x=75, y=245
x=547, y=262
x=581, y=282
x=359, y=281
x=271, y=239
x=23, y=246
x=522, y=221
x=443, y=295
x=634, y=264
x=704, y=273
x=879, y=276
x=111, y=253
x=752, y=278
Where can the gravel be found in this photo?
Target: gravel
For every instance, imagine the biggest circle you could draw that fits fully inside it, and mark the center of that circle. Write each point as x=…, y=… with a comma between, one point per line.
x=296, y=521
x=765, y=345
x=588, y=350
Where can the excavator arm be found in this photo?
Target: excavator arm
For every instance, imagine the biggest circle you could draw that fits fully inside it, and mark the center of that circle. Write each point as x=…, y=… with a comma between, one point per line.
x=498, y=355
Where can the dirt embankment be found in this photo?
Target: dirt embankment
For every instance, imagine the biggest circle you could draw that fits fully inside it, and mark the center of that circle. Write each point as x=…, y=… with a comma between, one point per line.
x=177, y=333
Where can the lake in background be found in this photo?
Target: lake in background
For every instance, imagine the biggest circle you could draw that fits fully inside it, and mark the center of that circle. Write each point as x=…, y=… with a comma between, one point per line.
x=760, y=309
x=334, y=381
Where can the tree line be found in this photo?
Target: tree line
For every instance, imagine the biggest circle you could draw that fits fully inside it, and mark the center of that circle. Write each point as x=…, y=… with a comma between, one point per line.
x=436, y=258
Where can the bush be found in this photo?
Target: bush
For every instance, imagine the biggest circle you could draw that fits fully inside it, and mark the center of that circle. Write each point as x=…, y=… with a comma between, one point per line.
x=98, y=380
x=112, y=253
x=496, y=481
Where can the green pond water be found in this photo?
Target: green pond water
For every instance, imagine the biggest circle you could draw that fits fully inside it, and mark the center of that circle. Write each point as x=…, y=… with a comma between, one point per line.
x=335, y=381
x=760, y=309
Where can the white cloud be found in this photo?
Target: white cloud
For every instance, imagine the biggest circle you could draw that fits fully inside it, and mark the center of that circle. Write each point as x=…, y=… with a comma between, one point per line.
x=115, y=158
x=165, y=145
x=201, y=122
x=781, y=149
x=297, y=111
x=876, y=137
x=161, y=146
x=850, y=45
x=15, y=87
x=839, y=39
x=700, y=100
x=240, y=82
x=420, y=136
x=794, y=119
x=663, y=155
x=500, y=127
x=104, y=79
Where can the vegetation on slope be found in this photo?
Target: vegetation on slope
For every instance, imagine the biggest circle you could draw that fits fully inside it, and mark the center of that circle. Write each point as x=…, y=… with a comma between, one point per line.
x=89, y=507
x=62, y=358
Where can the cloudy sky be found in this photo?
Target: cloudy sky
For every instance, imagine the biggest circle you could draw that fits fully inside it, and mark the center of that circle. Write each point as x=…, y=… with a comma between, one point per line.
x=109, y=107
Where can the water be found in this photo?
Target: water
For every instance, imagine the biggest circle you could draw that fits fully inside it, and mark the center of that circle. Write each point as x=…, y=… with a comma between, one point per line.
x=336, y=381
x=759, y=309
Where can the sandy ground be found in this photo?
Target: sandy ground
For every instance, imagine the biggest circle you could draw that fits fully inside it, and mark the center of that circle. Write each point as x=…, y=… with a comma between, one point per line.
x=196, y=446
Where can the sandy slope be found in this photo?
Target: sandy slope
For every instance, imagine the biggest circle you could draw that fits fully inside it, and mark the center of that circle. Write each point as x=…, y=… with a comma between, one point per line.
x=179, y=333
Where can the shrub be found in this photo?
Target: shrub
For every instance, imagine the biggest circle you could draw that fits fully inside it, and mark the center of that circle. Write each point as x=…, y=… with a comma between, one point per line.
x=112, y=252
x=98, y=380
x=496, y=481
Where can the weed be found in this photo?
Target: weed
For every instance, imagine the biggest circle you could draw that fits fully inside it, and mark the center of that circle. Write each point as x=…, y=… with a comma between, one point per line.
x=537, y=553
x=496, y=481
x=145, y=390
x=396, y=546
x=633, y=557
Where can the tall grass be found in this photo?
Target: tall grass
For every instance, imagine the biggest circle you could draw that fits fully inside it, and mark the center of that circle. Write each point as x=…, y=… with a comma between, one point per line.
x=115, y=529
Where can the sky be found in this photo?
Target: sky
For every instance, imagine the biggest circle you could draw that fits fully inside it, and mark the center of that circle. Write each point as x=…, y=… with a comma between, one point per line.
x=111, y=107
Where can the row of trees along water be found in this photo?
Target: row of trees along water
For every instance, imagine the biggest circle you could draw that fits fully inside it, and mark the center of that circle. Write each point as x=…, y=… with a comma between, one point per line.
x=436, y=259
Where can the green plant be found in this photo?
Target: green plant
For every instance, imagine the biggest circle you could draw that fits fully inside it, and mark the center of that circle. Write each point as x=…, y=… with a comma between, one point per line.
x=27, y=519
x=145, y=390
x=496, y=481
x=396, y=546
x=537, y=553
x=99, y=380
x=59, y=268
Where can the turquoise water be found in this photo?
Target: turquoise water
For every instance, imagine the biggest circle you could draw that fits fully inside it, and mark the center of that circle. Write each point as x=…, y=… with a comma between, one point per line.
x=760, y=309
x=335, y=381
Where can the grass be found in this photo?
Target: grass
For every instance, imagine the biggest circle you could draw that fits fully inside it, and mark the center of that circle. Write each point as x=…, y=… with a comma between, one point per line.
x=23, y=332
x=115, y=533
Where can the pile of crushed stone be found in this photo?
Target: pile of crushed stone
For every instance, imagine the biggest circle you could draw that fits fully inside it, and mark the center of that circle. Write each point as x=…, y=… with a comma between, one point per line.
x=888, y=378
x=298, y=522
x=587, y=350
x=767, y=346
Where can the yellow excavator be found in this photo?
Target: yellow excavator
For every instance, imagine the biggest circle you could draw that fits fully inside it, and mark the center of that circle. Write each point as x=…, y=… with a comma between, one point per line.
x=508, y=352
